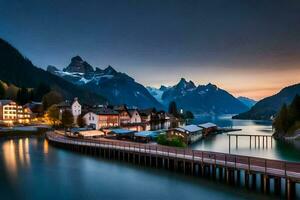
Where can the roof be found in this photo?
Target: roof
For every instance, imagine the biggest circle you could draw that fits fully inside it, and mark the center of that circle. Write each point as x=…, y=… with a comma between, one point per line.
x=91, y=133
x=35, y=107
x=120, y=131
x=189, y=128
x=146, y=112
x=131, y=111
x=105, y=111
x=5, y=102
x=207, y=125
x=146, y=133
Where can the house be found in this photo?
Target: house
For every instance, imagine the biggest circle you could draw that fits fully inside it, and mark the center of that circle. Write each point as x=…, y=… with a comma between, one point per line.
x=146, y=136
x=147, y=114
x=102, y=118
x=74, y=108
x=134, y=116
x=189, y=133
x=121, y=134
x=11, y=112
x=92, y=119
x=208, y=128
x=123, y=113
x=35, y=108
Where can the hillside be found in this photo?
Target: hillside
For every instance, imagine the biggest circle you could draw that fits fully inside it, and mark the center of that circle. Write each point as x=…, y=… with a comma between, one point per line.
x=269, y=106
x=247, y=101
x=18, y=70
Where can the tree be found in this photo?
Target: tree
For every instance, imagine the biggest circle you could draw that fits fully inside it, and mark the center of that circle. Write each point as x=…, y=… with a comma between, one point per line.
x=22, y=96
x=294, y=109
x=81, y=121
x=173, y=109
x=2, y=91
x=281, y=122
x=67, y=118
x=52, y=115
x=41, y=90
x=51, y=98
x=162, y=139
x=188, y=115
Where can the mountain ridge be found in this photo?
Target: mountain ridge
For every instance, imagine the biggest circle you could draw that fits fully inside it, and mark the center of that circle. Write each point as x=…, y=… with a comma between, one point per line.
x=116, y=86
x=199, y=99
x=267, y=108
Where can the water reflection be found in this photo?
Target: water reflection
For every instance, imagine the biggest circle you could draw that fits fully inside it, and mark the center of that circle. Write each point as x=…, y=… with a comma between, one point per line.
x=46, y=147
x=9, y=156
x=16, y=155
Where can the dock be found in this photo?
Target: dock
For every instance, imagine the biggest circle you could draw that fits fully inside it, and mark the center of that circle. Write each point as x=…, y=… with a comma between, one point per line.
x=257, y=172
x=260, y=140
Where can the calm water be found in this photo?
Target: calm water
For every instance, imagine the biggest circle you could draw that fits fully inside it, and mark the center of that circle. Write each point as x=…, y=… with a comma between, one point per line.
x=280, y=150
x=32, y=169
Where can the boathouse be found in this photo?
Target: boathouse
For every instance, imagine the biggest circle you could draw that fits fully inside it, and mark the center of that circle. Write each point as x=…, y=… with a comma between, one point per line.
x=145, y=136
x=208, y=128
x=189, y=133
x=121, y=134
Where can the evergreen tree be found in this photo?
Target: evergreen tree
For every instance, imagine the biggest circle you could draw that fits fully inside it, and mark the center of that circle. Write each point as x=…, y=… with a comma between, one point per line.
x=41, y=90
x=173, y=109
x=53, y=115
x=294, y=109
x=281, y=122
x=22, y=96
x=51, y=98
x=81, y=121
x=67, y=118
x=2, y=91
x=189, y=115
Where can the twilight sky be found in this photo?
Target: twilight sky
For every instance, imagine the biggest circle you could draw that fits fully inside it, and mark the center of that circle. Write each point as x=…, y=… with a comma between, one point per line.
x=248, y=47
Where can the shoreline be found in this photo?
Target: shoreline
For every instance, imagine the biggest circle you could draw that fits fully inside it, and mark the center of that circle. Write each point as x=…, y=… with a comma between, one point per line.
x=21, y=133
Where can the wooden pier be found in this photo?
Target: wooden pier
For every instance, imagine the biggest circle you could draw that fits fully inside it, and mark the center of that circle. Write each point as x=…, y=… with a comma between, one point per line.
x=260, y=140
x=257, y=172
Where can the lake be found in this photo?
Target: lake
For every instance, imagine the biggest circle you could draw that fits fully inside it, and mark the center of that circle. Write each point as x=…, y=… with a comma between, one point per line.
x=280, y=150
x=30, y=168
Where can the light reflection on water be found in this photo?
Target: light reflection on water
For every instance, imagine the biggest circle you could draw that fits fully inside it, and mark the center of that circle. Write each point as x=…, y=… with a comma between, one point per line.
x=16, y=155
x=53, y=173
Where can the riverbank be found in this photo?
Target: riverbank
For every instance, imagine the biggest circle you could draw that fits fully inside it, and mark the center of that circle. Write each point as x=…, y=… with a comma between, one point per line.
x=283, y=136
x=36, y=131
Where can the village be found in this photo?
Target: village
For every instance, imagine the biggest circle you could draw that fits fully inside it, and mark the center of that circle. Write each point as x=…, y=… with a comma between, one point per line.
x=117, y=122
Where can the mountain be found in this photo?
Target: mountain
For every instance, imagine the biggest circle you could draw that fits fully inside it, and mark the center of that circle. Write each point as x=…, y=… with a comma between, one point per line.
x=117, y=87
x=157, y=93
x=200, y=99
x=268, y=107
x=247, y=101
x=18, y=70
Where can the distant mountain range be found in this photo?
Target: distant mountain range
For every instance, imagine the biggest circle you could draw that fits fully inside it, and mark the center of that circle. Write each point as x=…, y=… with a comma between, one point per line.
x=117, y=87
x=268, y=107
x=200, y=99
x=18, y=70
x=247, y=101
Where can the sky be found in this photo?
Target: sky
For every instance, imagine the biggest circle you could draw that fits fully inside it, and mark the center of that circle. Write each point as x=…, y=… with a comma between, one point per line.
x=247, y=47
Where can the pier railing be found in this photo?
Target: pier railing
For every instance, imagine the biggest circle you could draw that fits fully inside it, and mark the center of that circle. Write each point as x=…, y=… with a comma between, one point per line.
x=279, y=168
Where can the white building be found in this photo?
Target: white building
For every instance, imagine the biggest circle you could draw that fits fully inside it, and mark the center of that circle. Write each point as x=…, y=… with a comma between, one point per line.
x=76, y=109
x=135, y=116
x=92, y=119
x=11, y=112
